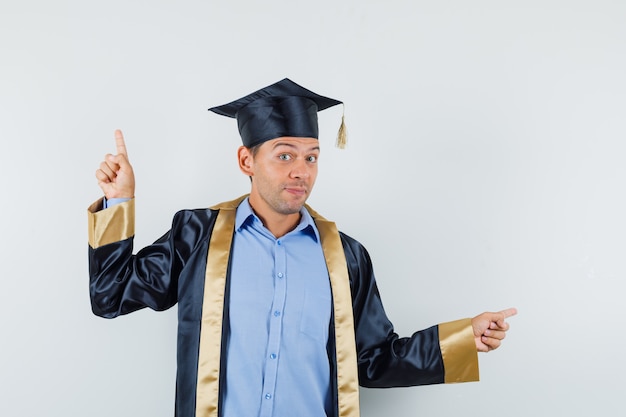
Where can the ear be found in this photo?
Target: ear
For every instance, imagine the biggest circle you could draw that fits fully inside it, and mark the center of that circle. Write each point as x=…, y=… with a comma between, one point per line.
x=246, y=161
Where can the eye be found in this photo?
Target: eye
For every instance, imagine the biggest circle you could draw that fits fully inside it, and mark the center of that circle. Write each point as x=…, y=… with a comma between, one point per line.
x=284, y=157
x=311, y=158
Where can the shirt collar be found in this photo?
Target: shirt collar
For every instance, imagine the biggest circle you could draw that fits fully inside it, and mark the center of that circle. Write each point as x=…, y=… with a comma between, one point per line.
x=246, y=217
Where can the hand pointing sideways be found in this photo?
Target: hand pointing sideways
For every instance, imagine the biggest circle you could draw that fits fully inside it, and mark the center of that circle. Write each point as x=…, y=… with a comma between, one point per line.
x=490, y=329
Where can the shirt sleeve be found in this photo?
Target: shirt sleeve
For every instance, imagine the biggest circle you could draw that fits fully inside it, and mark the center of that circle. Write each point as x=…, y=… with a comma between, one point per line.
x=113, y=201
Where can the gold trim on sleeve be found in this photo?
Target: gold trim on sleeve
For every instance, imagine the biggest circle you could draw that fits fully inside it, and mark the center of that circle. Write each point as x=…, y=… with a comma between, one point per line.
x=460, y=357
x=111, y=225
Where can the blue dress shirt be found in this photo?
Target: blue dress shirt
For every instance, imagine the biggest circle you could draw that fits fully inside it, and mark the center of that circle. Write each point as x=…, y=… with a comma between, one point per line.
x=279, y=315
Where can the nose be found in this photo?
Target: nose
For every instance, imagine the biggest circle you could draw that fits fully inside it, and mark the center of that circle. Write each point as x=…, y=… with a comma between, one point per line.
x=300, y=169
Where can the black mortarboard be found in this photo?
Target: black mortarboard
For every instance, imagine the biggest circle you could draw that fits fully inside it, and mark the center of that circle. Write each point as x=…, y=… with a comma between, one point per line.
x=281, y=109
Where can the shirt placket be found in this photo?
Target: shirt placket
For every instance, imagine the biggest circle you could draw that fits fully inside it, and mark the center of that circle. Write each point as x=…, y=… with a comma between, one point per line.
x=275, y=330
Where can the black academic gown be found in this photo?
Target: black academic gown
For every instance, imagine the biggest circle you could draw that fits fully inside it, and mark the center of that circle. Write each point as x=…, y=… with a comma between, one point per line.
x=172, y=270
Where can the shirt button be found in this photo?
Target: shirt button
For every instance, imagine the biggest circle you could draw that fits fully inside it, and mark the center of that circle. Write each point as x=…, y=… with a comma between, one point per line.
x=280, y=275
x=276, y=313
x=278, y=242
x=268, y=396
x=273, y=356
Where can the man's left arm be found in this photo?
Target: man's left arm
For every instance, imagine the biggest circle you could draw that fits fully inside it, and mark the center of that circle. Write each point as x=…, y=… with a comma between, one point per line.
x=443, y=353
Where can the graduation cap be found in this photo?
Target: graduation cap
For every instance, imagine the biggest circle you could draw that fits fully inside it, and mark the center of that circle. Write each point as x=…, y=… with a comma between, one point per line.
x=281, y=109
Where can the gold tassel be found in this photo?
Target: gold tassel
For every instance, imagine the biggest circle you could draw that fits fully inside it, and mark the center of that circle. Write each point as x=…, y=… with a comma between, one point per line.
x=342, y=135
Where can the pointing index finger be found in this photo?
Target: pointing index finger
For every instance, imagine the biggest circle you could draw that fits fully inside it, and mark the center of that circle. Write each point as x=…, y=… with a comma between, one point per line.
x=509, y=312
x=120, y=144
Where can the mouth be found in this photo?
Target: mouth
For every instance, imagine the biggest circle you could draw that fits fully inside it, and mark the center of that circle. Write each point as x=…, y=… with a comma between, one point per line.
x=296, y=190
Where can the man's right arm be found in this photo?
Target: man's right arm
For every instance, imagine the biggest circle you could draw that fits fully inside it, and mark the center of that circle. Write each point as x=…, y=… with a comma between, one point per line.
x=121, y=282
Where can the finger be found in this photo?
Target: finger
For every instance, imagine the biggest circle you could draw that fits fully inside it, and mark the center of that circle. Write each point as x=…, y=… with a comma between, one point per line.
x=109, y=167
x=499, y=325
x=499, y=318
x=102, y=177
x=495, y=334
x=482, y=347
x=119, y=162
x=509, y=312
x=491, y=342
x=120, y=144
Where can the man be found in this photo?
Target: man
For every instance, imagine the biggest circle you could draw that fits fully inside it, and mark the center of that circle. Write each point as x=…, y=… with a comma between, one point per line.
x=279, y=313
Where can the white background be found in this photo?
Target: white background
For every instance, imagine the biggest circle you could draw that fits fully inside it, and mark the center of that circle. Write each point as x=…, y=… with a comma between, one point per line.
x=485, y=169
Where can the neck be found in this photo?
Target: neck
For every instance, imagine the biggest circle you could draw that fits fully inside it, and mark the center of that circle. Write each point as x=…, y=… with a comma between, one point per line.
x=278, y=224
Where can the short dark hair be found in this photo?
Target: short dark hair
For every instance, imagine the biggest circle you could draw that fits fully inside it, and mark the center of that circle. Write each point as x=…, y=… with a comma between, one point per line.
x=255, y=149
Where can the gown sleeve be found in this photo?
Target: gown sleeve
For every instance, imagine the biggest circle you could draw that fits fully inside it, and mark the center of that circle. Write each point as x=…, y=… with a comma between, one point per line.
x=439, y=354
x=121, y=282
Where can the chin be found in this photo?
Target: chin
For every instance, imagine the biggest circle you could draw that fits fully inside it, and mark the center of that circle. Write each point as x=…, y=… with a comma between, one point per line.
x=290, y=208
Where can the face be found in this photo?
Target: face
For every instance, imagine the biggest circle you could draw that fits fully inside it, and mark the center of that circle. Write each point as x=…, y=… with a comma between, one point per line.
x=283, y=173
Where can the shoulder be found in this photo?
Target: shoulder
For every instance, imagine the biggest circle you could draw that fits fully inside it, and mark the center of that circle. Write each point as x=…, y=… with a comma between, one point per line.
x=203, y=218
x=350, y=242
x=354, y=250
x=194, y=215
x=194, y=222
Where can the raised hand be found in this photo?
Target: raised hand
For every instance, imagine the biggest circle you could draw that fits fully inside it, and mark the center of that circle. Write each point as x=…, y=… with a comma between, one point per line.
x=115, y=175
x=490, y=329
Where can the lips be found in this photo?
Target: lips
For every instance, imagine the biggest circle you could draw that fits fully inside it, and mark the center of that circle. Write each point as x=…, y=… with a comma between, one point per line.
x=296, y=189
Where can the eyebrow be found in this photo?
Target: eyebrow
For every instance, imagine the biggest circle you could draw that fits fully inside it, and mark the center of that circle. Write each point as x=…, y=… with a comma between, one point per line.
x=290, y=145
